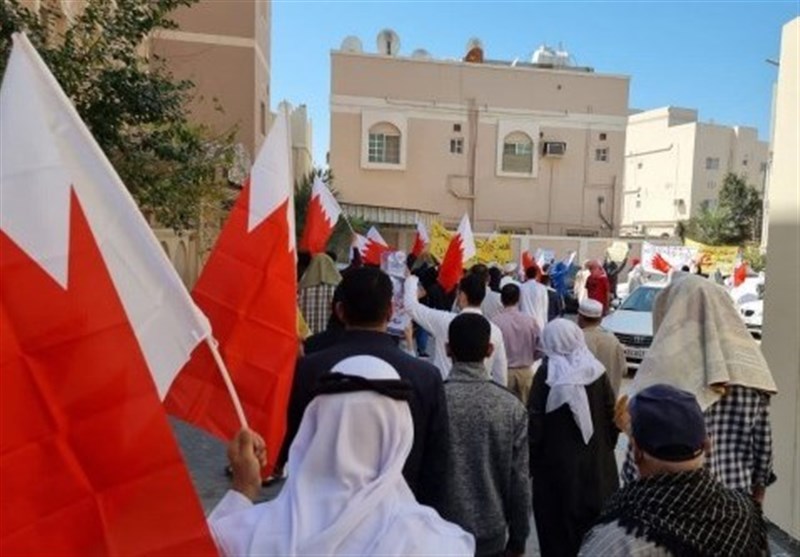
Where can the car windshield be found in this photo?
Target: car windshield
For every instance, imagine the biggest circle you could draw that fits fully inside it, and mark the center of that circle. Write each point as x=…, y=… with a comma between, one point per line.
x=640, y=299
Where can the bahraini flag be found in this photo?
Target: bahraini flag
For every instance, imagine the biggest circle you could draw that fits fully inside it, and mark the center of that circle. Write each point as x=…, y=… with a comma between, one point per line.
x=95, y=324
x=248, y=290
x=321, y=217
x=460, y=250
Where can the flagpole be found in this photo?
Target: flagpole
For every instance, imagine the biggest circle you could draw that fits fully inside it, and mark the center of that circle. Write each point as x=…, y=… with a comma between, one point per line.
x=226, y=377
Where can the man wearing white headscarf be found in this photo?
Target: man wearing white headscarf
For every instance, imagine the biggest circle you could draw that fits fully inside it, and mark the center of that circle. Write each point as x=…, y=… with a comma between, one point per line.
x=345, y=494
x=572, y=438
x=702, y=346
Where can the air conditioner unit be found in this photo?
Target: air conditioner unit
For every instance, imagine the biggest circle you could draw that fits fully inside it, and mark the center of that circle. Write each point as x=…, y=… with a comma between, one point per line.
x=678, y=202
x=554, y=148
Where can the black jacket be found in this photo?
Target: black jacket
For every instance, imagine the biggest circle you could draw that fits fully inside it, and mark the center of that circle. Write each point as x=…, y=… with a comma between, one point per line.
x=426, y=466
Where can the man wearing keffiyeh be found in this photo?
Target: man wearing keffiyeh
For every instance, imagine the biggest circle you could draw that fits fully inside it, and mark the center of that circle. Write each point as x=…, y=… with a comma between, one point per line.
x=676, y=507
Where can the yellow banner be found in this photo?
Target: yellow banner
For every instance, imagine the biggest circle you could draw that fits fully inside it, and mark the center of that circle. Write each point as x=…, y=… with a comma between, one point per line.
x=715, y=257
x=494, y=249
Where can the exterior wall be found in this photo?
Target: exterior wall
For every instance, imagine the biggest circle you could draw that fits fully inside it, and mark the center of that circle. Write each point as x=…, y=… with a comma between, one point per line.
x=302, y=142
x=782, y=302
x=666, y=179
x=225, y=52
x=426, y=99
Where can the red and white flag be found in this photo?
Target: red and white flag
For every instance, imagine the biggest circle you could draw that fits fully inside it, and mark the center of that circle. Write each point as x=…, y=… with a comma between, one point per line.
x=421, y=240
x=526, y=262
x=659, y=263
x=248, y=290
x=321, y=216
x=372, y=247
x=95, y=324
x=739, y=271
x=460, y=250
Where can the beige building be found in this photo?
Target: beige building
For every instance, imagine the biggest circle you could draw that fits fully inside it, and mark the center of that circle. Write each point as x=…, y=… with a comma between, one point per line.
x=224, y=48
x=520, y=147
x=781, y=343
x=674, y=166
x=302, y=142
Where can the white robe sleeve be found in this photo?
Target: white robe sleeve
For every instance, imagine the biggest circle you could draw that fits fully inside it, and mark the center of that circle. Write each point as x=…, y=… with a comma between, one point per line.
x=232, y=523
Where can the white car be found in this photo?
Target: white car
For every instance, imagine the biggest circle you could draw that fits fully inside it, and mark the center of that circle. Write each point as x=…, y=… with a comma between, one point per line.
x=753, y=316
x=632, y=322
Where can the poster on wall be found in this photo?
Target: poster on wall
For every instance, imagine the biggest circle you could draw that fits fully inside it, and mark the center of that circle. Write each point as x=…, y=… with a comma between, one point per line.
x=662, y=259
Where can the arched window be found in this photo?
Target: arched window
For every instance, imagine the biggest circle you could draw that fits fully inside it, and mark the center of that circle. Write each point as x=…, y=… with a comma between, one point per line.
x=384, y=143
x=518, y=153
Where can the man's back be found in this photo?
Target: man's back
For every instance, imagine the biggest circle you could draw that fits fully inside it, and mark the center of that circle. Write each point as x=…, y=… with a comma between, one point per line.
x=488, y=489
x=426, y=465
x=520, y=334
x=534, y=301
x=606, y=348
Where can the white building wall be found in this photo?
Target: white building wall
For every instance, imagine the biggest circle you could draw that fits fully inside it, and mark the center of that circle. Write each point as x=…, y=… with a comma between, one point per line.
x=667, y=176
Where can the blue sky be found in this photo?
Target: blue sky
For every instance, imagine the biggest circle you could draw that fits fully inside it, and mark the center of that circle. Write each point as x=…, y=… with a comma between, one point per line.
x=704, y=55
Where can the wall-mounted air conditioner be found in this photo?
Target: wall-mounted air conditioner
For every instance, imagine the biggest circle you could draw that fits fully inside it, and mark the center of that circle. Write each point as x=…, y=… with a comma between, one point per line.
x=554, y=149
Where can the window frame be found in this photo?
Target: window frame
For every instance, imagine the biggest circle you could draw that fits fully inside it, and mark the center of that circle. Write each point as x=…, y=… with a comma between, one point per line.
x=601, y=154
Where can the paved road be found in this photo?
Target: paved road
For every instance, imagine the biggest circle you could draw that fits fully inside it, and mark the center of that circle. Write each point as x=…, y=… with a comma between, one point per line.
x=206, y=457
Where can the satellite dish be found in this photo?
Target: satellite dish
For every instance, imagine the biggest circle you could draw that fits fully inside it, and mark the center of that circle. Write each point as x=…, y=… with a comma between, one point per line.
x=474, y=51
x=474, y=42
x=421, y=54
x=352, y=44
x=388, y=42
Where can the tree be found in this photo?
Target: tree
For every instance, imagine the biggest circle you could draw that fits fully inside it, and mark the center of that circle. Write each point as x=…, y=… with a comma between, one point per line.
x=744, y=207
x=736, y=220
x=135, y=109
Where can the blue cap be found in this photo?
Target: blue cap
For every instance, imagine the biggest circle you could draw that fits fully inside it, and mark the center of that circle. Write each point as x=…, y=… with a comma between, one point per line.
x=667, y=423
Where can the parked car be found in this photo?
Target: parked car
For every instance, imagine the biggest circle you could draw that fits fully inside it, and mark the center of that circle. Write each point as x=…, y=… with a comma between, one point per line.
x=632, y=322
x=753, y=316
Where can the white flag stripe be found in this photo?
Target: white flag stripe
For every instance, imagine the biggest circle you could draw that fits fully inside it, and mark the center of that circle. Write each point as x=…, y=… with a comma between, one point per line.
x=467, y=239
x=163, y=316
x=330, y=207
x=375, y=236
x=423, y=233
x=271, y=176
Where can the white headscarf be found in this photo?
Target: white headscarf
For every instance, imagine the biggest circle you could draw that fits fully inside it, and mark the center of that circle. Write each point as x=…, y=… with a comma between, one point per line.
x=345, y=493
x=570, y=367
x=701, y=344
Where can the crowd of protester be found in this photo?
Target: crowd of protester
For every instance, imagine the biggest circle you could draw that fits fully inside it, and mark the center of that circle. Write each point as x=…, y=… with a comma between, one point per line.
x=494, y=408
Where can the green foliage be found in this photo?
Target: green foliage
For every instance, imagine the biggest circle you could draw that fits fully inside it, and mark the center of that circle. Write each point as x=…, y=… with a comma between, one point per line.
x=134, y=108
x=342, y=235
x=735, y=221
x=755, y=257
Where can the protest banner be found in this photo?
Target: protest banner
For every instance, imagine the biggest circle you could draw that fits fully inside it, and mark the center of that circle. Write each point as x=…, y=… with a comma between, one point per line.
x=715, y=257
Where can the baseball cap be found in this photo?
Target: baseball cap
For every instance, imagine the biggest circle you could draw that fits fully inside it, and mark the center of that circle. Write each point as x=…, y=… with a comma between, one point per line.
x=667, y=423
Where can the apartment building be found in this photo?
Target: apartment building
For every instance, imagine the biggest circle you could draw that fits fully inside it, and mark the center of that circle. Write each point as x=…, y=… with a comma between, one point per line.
x=675, y=165
x=523, y=147
x=224, y=48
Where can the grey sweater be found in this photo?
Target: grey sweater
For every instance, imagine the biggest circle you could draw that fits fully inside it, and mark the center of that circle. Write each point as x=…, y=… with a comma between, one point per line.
x=487, y=491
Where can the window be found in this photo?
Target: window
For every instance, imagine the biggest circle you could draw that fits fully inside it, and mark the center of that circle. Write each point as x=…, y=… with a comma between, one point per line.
x=708, y=204
x=640, y=165
x=603, y=136
x=763, y=167
x=601, y=155
x=638, y=203
x=457, y=128
x=712, y=163
x=518, y=153
x=744, y=162
x=712, y=184
x=457, y=145
x=384, y=144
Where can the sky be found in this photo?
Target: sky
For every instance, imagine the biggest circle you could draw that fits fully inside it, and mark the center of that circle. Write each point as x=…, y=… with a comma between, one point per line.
x=710, y=56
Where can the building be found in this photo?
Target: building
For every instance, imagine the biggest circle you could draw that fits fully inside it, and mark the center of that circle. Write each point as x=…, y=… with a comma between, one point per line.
x=302, y=142
x=224, y=49
x=674, y=166
x=521, y=147
x=781, y=344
